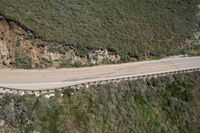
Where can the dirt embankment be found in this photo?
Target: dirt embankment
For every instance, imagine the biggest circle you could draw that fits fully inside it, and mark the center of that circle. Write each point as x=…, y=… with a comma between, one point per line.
x=19, y=48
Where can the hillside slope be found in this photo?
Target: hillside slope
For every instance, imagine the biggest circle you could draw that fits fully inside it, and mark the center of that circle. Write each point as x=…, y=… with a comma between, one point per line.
x=134, y=29
x=166, y=104
x=19, y=48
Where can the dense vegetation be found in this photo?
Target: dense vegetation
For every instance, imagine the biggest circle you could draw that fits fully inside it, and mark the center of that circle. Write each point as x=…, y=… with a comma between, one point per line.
x=132, y=28
x=167, y=104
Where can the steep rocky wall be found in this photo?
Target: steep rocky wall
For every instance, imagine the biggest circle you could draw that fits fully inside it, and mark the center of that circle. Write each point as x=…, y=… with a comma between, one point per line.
x=19, y=48
x=15, y=44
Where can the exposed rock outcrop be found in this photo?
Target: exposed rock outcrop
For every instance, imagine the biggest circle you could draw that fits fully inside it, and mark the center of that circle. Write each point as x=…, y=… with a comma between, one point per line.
x=20, y=48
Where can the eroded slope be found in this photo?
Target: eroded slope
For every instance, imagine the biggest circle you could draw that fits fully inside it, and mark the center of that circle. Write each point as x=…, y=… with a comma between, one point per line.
x=134, y=29
x=20, y=48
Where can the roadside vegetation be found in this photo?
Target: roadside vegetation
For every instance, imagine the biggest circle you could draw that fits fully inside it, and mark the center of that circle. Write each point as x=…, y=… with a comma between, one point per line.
x=135, y=29
x=167, y=104
x=23, y=62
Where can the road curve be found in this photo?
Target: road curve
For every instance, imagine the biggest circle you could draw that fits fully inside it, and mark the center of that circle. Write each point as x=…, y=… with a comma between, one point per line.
x=56, y=78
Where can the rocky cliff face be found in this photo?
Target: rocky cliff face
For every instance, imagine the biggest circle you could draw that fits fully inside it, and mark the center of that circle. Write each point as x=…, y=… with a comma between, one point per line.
x=4, y=54
x=16, y=45
x=21, y=49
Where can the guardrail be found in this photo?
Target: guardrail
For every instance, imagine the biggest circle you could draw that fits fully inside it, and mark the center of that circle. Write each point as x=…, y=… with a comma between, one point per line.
x=87, y=84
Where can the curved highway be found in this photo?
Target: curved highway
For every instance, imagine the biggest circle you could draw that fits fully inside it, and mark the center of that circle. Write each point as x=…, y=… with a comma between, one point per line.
x=56, y=78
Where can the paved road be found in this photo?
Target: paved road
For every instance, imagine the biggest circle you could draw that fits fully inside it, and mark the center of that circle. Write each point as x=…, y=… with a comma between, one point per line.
x=54, y=78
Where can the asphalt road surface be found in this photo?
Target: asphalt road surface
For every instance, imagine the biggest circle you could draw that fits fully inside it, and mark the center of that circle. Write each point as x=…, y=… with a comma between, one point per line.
x=55, y=78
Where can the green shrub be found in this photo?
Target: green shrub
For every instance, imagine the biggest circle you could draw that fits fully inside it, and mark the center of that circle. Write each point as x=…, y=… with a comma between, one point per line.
x=18, y=43
x=23, y=62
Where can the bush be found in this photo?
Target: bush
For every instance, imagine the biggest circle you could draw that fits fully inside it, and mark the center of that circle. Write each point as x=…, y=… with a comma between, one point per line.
x=23, y=62
x=18, y=43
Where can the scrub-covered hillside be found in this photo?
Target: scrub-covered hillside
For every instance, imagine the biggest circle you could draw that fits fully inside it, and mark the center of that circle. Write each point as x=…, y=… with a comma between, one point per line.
x=133, y=29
